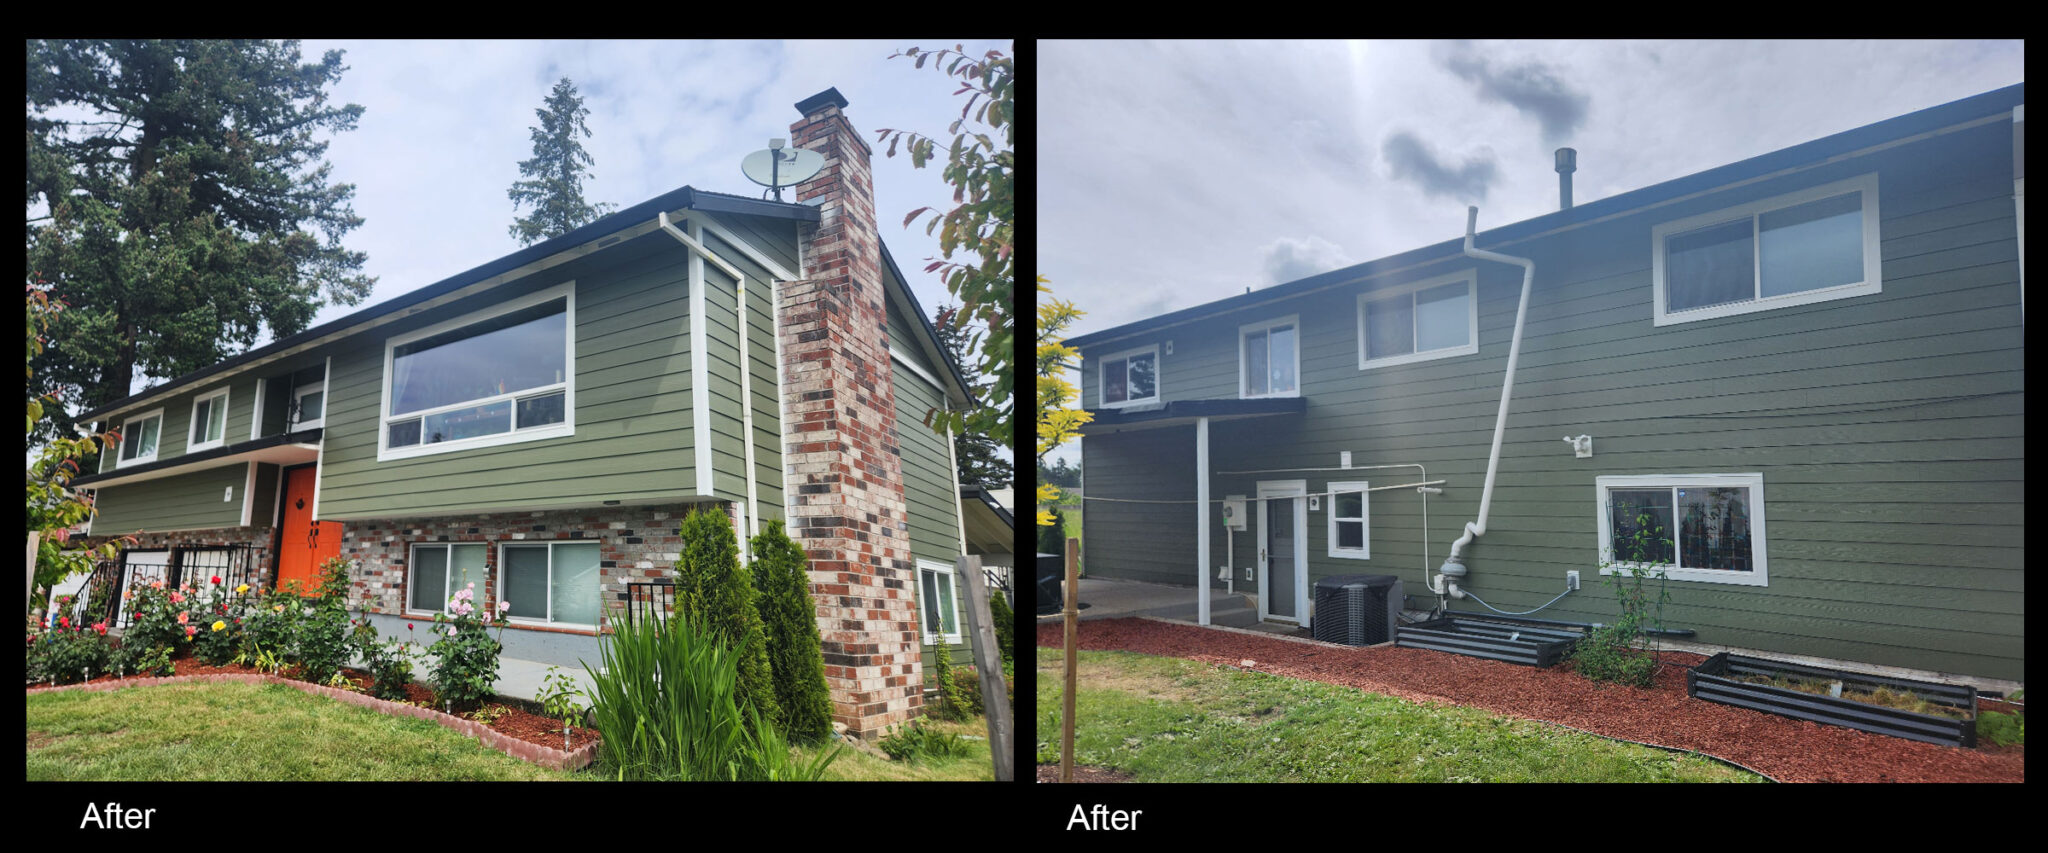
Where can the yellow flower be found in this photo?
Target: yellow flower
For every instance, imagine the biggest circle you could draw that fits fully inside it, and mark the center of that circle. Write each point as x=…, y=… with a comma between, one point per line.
x=242, y=588
x=277, y=609
x=219, y=625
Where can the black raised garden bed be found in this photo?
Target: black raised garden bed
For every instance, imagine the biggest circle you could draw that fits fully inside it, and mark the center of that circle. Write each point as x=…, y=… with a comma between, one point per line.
x=1721, y=679
x=1520, y=644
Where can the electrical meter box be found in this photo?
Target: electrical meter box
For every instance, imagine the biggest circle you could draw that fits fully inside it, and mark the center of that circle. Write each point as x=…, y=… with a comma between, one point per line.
x=1233, y=512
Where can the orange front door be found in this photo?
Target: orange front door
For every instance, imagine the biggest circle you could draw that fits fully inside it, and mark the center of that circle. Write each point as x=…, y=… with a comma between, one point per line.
x=307, y=543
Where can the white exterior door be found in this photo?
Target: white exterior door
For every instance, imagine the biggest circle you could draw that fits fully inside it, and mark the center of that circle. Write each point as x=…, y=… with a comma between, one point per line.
x=1283, y=552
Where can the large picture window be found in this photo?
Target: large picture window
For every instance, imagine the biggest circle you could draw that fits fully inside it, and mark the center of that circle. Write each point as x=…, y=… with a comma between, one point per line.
x=1700, y=527
x=490, y=378
x=550, y=582
x=1436, y=318
x=1794, y=249
x=1130, y=377
x=440, y=570
x=139, y=438
x=1269, y=358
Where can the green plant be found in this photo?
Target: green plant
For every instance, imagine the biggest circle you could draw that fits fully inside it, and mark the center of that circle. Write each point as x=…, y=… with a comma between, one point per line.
x=156, y=661
x=389, y=663
x=1616, y=652
x=68, y=653
x=717, y=591
x=1005, y=623
x=789, y=617
x=2003, y=728
x=665, y=699
x=950, y=704
x=160, y=616
x=270, y=629
x=917, y=743
x=558, y=697
x=489, y=714
x=220, y=636
x=324, y=645
x=466, y=655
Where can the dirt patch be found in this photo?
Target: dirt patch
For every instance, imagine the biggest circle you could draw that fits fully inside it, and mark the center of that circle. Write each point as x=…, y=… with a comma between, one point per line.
x=39, y=740
x=1148, y=685
x=1663, y=715
x=1083, y=773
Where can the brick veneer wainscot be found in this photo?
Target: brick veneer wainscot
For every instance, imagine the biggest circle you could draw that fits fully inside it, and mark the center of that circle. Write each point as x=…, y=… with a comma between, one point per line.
x=634, y=544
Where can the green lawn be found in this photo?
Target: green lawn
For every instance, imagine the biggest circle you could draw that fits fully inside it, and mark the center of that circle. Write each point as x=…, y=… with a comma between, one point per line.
x=1171, y=720
x=232, y=731
x=858, y=766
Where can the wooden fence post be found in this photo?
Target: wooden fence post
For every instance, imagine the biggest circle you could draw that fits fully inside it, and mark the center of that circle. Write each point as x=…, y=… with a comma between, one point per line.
x=988, y=662
x=1073, y=628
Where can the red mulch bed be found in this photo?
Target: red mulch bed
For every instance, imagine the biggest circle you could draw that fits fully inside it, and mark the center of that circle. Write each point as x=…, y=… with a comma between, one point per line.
x=1780, y=747
x=515, y=722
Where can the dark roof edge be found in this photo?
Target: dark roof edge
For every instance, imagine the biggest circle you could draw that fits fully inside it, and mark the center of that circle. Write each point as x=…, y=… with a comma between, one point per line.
x=1898, y=127
x=307, y=436
x=682, y=198
x=989, y=499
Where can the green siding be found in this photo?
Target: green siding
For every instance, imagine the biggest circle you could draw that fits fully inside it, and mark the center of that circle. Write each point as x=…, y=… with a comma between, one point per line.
x=767, y=404
x=633, y=437
x=181, y=502
x=928, y=494
x=1895, y=515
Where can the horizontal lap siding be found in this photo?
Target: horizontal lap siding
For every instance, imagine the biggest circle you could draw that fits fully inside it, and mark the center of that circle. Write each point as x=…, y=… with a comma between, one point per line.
x=928, y=495
x=179, y=502
x=633, y=431
x=1895, y=514
x=766, y=403
x=1140, y=541
x=722, y=352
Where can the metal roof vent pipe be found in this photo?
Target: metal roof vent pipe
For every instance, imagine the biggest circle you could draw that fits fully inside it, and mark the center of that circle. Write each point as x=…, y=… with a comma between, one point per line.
x=1567, y=163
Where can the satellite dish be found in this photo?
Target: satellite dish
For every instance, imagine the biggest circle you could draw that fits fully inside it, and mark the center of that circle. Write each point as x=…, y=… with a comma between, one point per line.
x=779, y=167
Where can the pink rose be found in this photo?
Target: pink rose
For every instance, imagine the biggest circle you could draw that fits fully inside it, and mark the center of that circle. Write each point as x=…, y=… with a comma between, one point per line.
x=190, y=630
x=504, y=606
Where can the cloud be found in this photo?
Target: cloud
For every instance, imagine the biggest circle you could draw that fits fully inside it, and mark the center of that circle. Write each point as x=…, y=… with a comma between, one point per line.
x=1531, y=87
x=1287, y=259
x=1413, y=160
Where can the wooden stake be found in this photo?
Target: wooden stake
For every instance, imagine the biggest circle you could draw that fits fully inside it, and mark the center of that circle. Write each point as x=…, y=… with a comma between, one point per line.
x=1073, y=627
x=988, y=663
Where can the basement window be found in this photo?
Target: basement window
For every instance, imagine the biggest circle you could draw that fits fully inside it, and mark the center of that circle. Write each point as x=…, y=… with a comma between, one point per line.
x=1429, y=319
x=1694, y=527
x=1269, y=358
x=554, y=583
x=1130, y=377
x=1349, y=531
x=1799, y=248
x=440, y=570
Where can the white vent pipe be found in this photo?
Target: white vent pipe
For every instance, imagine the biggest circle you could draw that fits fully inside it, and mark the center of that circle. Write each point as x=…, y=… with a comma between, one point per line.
x=1453, y=567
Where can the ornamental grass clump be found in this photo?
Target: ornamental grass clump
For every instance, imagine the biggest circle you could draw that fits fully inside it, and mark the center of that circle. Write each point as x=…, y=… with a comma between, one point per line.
x=466, y=655
x=666, y=704
x=790, y=618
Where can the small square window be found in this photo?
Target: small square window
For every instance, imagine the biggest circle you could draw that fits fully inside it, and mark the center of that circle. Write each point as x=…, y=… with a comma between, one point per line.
x=1130, y=377
x=139, y=438
x=1349, y=527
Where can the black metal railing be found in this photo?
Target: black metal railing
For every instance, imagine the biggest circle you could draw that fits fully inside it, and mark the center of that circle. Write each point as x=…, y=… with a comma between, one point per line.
x=653, y=600
x=197, y=565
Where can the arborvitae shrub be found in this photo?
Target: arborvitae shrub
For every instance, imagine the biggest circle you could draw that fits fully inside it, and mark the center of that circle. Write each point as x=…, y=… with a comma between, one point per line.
x=1005, y=624
x=789, y=615
x=712, y=585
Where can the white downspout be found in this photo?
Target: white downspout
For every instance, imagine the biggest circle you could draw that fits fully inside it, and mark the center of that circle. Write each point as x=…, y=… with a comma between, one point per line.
x=1453, y=568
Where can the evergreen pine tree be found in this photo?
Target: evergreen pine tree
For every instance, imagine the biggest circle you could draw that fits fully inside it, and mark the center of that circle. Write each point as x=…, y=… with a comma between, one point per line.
x=790, y=617
x=714, y=589
x=554, y=176
x=178, y=203
x=980, y=457
x=1005, y=624
x=1052, y=539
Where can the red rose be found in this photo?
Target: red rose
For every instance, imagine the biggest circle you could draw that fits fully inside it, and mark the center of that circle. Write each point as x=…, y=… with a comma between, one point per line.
x=216, y=580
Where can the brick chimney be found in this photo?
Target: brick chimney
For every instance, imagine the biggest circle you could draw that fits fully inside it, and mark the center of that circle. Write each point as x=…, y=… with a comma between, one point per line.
x=847, y=507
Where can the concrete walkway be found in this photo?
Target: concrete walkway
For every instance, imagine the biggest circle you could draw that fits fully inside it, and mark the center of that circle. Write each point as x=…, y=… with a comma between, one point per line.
x=1104, y=598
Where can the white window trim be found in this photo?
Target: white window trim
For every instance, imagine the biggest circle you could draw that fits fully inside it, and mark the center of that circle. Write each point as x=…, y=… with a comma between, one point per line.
x=1364, y=551
x=946, y=569
x=120, y=455
x=1102, y=383
x=567, y=386
x=1243, y=387
x=194, y=438
x=1873, y=274
x=1471, y=346
x=1759, y=575
x=504, y=576
x=412, y=562
x=326, y=399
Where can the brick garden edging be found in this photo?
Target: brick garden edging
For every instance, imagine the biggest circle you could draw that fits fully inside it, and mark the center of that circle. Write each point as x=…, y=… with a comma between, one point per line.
x=544, y=756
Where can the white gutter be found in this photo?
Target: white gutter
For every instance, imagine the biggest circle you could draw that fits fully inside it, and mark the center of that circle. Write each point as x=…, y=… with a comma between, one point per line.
x=1453, y=568
x=750, y=526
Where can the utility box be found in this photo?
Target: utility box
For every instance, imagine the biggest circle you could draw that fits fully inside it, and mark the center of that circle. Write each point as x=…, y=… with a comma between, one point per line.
x=1356, y=610
x=1233, y=512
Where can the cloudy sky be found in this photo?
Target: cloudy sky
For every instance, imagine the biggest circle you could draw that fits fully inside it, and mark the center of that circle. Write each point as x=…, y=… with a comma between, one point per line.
x=445, y=124
x=1171, y=174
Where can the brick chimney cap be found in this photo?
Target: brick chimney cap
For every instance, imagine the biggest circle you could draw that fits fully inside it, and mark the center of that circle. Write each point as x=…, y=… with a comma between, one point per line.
x=827, y=98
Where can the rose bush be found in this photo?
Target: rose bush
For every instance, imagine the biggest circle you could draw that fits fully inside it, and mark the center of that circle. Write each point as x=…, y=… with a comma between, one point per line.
x=466, y=655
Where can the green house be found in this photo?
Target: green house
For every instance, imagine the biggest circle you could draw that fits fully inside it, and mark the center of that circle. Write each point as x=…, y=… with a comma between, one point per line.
x=539, y=425
x=1798, y=377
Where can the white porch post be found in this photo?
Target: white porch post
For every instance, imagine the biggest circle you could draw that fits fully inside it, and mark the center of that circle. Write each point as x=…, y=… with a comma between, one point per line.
x=1202, y=521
